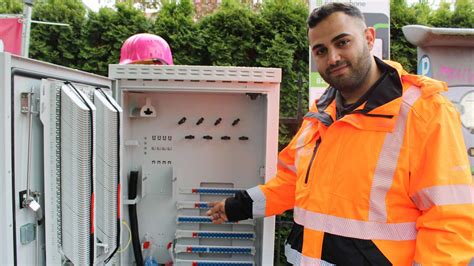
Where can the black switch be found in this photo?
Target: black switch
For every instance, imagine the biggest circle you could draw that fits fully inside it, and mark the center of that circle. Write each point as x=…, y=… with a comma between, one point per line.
x=218, y=121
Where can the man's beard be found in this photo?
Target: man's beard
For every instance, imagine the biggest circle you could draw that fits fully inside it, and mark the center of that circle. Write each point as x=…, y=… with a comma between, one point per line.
x=358, y=72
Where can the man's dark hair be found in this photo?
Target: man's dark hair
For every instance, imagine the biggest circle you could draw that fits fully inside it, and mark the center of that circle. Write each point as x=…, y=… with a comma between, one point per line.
x=324, y=11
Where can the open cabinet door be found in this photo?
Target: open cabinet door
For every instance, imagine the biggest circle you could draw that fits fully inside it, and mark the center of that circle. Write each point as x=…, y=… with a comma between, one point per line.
x=82, y=161
x=58, y=210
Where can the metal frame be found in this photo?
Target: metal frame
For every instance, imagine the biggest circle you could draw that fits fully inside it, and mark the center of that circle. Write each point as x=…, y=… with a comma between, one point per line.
x=196, y=73
x=7, y=252
x=214, y=79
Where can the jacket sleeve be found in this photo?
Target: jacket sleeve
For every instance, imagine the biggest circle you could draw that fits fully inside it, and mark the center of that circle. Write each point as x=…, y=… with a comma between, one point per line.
x=441, y=188
x=277, y=195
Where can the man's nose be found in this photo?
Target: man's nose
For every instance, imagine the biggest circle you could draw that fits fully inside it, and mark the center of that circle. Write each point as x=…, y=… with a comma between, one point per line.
x=333, y=57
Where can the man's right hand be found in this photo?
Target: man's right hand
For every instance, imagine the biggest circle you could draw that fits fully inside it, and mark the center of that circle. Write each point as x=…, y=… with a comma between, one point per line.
x=217, y=212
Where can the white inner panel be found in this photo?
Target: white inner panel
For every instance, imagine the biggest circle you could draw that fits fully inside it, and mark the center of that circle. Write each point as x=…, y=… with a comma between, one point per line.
x=169, y=162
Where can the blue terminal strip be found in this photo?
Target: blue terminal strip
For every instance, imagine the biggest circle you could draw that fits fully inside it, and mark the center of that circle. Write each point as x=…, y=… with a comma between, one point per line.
x=201, y=205
x=222, y=250
x=222, y=264
x=198, y=219
x=231, y=250
x=194, y=220
x=215, y=191
x=223, y=235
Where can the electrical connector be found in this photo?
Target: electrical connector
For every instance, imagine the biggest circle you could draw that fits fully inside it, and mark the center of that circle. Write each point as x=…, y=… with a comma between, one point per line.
x=200, y=121
x=236, y=121
x=181, y=121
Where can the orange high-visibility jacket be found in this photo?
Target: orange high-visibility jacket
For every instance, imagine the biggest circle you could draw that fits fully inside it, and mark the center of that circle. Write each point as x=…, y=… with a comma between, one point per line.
x=390, y=180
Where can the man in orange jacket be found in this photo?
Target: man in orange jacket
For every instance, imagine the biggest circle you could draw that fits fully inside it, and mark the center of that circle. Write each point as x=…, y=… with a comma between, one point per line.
x=378, y=173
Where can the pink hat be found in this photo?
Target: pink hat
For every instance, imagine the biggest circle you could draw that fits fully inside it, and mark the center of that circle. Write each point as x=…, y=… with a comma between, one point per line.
x=144, y=47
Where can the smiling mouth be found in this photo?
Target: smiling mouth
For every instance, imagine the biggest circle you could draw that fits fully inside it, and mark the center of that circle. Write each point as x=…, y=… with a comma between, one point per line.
x=337, y=69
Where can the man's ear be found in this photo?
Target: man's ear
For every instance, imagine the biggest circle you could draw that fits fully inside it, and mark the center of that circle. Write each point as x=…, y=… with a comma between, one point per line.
x=370, y=37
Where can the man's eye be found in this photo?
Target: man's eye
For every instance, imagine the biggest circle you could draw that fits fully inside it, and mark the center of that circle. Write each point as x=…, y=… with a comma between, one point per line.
x=321, y=51
x=342, y=43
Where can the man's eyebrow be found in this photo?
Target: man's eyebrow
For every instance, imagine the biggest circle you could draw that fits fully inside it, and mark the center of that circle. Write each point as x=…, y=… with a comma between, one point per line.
x=317, y=46
x=340, y=36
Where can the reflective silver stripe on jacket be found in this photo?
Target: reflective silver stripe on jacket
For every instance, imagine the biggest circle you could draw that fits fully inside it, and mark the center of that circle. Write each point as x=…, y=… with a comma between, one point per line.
x=259, y=201
x=282, y=164
x=388, y=159
x=354, y=228
x=443, y=195
x=308, y=261
x=294, y=257
x=301, y=141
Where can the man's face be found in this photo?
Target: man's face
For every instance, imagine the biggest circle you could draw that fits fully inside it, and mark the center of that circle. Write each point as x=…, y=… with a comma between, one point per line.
x=341, y=47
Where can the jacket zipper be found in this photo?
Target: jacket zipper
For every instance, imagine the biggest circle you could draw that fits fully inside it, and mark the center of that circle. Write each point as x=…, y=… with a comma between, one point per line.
x=312, y=159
